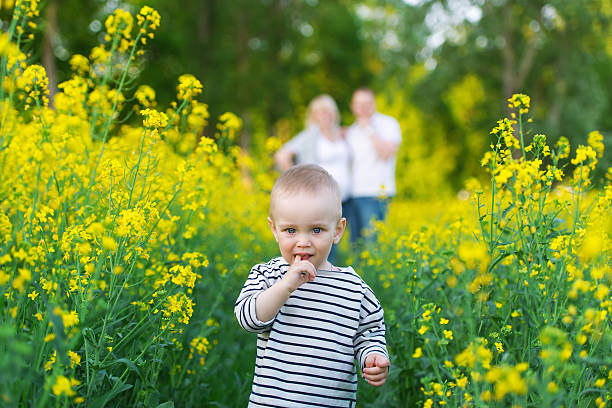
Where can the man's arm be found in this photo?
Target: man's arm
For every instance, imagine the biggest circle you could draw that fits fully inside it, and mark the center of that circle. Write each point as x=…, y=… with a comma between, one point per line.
x=385, y=149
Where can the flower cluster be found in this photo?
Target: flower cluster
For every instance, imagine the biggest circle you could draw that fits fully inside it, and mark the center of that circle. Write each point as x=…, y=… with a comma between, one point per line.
x=148, y=21
x=154, y=119
x=35, y=85
x=520, y=101
x=188, y=87
x=119, y=28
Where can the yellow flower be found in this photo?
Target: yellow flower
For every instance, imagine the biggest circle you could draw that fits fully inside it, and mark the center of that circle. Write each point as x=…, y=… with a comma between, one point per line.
x=486, y=396
x=595, y=140
x=188, y=87
x=231, y=123
x=418, y=353
x=24, y=276
x=466, y=358
x=49, y=364
x=99, y=55
x=148, y=19
x=119, y=23
x=63, y=386
x=520, y=101
x=69, y=319
x=564, y=147
x=75, y=359
x=109, y=244
x=34, y=82
x=130, y=222
x=499, y=346
x=178, y=305
x=583, y=153
x=448, y=334
x=154, y=119
x=552, y=387
x=79, y=63
x=145, y=95
x=600, y=383
x=566, y=353
x=423, y=330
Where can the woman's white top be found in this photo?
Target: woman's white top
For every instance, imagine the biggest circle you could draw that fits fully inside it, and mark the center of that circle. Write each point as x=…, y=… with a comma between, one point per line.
x=310, y=146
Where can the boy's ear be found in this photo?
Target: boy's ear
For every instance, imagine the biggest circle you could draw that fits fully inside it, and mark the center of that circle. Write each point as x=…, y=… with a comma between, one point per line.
x=340, y=227
x=272, y=228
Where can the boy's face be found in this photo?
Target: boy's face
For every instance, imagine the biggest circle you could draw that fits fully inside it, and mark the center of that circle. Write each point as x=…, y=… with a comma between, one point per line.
x=305, y=224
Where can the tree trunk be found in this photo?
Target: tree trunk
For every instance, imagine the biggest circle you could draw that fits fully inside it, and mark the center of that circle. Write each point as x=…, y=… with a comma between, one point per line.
x=509, y=54
x=242, y=56
x=48, y=57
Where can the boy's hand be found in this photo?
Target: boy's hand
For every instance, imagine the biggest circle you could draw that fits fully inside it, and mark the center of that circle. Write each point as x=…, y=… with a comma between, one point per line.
x=376, y=369
x=299, y=273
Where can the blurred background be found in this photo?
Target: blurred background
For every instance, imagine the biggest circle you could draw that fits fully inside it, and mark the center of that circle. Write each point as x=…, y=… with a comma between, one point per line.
x=442, y=68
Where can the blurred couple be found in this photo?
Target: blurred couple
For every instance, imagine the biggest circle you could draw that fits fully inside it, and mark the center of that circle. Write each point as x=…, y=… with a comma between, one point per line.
x=361, y=157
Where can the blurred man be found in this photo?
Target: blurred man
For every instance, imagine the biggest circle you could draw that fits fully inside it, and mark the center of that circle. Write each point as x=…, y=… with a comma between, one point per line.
x=374, y=139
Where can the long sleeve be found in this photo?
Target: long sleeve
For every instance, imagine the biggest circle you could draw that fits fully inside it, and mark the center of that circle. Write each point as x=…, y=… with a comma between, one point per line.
x=370, y=335
x=244, y=309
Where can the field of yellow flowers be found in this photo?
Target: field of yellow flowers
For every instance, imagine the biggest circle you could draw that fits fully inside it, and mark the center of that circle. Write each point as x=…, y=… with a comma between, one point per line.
x=124, y=243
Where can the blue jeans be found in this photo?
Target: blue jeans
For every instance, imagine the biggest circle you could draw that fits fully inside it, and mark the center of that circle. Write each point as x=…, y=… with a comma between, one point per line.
x=361, y=211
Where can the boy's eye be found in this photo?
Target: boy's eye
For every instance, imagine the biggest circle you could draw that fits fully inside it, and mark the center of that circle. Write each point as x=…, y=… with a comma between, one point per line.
x=316, y=230
x=291, y=230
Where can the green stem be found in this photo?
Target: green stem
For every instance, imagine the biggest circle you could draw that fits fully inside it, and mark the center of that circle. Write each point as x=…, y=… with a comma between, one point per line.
x=521, y=136
x=115, y=104
x=576, y=213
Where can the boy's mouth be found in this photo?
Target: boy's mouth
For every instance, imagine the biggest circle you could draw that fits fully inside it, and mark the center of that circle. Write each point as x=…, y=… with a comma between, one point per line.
x=304, y=257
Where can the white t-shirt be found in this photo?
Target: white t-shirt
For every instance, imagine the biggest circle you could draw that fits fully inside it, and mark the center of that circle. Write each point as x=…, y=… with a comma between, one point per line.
x=371, y=175
x=336, y=158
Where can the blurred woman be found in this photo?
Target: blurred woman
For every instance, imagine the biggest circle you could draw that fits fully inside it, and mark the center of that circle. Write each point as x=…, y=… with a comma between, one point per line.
x=322, y=143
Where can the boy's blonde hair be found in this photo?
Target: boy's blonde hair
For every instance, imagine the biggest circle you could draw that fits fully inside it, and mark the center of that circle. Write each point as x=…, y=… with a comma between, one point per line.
x=306, y=178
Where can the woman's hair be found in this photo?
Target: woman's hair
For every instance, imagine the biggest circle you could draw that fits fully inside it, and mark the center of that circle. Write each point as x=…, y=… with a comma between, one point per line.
x=322, y=102
x=306, y=178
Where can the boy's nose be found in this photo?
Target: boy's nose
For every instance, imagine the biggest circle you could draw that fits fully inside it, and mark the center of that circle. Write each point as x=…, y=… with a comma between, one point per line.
x=303, y=242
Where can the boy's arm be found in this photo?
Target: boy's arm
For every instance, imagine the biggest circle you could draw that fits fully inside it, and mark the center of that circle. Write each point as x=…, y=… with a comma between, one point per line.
x=270, y=301
x=244, y=308
x=369, y=342
x=259, y=302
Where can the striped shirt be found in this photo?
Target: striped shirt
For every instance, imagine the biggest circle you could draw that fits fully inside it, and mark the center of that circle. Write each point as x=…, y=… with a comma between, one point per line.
x=306, y=354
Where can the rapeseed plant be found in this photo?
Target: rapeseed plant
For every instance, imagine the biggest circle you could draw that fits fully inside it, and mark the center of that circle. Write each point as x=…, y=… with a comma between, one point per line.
x=121, y=242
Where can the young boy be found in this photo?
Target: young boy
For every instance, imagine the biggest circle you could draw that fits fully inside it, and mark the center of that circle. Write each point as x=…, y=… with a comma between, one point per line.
x=313, y=319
